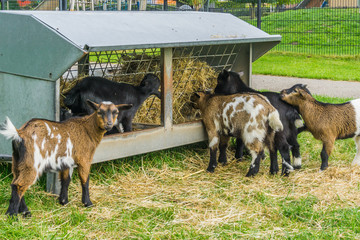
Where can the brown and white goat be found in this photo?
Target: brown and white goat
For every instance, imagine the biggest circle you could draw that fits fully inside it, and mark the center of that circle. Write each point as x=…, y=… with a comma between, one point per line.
x=327, y=122
x=41, y=145
x=248, y=116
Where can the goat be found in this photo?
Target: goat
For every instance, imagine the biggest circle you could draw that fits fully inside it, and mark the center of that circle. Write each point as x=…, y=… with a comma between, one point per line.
x=327, y=122
x=247, y=116
x=41, y=145
x=98, y=89
x=230, y=82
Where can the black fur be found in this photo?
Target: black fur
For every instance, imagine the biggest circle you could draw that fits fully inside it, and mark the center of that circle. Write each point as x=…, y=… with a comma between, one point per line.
x=85, y=194
x=98, y=89
x=65, y=182
x=14, y=206
x=231, y=83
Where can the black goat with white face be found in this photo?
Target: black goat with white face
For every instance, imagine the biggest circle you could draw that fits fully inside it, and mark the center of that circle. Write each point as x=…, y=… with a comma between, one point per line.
x=98, y=89
x=230, y=83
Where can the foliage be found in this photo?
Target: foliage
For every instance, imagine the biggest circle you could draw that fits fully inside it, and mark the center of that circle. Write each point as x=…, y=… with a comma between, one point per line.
x=308, y=66
x=277, y=2
x=229, y=4
x=196, y=4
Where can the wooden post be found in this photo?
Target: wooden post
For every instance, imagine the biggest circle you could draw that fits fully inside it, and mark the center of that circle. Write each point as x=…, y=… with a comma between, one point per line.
x=166, y=88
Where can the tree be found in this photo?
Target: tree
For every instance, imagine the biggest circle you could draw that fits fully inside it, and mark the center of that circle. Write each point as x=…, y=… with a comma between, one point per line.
x=196, y=4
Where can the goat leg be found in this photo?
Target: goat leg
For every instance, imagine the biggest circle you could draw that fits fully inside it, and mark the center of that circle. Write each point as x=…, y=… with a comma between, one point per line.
x=84, y=179
x=222, y=149
x=295, y=149
x=23, y=209
x=212, y=163
x=15, y=199
x=325, y=153
x=239, y=153
x=65, y=181
x=274, y=167
x=255, y=163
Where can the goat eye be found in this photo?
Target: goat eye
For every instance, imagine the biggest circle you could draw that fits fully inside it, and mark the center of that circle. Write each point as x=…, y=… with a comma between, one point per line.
x=115, y=112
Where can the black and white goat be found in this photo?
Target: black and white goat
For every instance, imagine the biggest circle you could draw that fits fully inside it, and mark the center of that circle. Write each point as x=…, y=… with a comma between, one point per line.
x=327, y=122
x=247, y=116
x=98, y=89
x=41, y=145
x=230, y=82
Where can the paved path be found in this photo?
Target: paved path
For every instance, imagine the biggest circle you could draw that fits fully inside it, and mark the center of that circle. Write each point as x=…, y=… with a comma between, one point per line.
x=316, y=86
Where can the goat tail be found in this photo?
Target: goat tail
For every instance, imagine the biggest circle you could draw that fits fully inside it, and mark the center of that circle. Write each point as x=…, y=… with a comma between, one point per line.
x=275, y=122
x=9, y=131
x=293, y=116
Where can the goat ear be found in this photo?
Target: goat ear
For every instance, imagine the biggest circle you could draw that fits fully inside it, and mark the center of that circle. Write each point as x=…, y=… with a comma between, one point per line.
x=301, y=92
x=225, y=73
x=123, y=106
x=92, y=104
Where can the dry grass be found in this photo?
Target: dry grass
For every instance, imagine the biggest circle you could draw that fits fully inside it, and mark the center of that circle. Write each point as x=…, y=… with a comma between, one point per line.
x=204, y=201
x=163, y=194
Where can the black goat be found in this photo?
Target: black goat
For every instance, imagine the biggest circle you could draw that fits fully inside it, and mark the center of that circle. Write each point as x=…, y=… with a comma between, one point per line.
x=98, y=89
x=230, y=83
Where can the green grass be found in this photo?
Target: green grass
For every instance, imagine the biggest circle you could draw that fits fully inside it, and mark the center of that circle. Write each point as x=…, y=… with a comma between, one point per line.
x=316, y=30
x=308, y=66
x=168, y=195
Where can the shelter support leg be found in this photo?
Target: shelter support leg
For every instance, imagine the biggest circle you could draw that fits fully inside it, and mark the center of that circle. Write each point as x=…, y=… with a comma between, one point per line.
x=166, y=88
x=243, y=63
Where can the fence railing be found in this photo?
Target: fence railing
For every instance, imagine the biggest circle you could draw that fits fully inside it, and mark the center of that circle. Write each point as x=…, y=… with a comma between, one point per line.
x=316, y=30
x=332, y=28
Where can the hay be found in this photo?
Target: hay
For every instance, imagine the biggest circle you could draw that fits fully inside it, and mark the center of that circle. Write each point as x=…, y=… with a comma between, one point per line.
x=189, y=75
x=202, y=201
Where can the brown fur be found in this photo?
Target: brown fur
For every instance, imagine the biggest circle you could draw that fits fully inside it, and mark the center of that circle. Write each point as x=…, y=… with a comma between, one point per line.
x=326, y=122
x=72, y=141
x=212, y=106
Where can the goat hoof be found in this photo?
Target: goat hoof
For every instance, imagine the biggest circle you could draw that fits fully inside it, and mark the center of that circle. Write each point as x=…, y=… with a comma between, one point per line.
x=273, y=172
x=239, y=159
x=63, y=201
x=210, y=170
x=26, y=214
x=224, y=163
x=323, y=168
x=297, y=167
x=88, y=204
x=251, y=173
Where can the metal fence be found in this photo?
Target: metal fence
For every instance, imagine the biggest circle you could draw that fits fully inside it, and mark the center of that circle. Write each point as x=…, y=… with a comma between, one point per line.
x=323, y=27
x=83, y=5
x=329, y=27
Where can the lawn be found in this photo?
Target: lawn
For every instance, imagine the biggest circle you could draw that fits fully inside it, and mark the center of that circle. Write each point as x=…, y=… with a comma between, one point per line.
x=169, y=195
x=319, y=43
x=308, y=66
x=316, y=30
